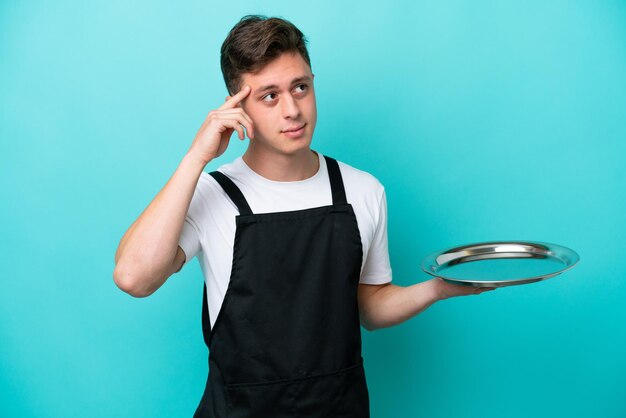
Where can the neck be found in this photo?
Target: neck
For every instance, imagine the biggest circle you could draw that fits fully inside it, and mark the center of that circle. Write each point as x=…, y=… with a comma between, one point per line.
x=282, y=167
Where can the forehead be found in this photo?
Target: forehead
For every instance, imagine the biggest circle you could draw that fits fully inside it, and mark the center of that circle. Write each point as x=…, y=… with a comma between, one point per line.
x=278, y=72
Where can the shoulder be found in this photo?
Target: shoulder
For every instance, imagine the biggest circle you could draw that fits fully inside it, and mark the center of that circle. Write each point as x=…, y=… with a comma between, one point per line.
x=209, y=194
x=208, y=184
x=361, y=181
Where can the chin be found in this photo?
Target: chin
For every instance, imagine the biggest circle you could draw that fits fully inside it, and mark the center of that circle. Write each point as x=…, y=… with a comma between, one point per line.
x=286, y=146
x=297, y=146
x=280, y=144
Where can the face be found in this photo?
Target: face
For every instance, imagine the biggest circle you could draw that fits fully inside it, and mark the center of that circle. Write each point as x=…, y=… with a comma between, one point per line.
x=281, y=105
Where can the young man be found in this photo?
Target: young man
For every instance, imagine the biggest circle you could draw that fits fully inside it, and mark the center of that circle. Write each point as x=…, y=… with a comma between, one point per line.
x=292, y=244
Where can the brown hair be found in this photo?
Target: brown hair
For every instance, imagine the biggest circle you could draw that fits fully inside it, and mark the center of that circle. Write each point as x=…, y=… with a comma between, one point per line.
x=255, y=41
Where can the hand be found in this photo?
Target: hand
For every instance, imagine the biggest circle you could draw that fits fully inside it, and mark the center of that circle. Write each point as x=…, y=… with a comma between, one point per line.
x=214, y=135
x=445, y=290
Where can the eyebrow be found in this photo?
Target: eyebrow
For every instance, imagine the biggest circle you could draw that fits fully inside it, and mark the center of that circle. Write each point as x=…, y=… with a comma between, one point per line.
x=294, y=81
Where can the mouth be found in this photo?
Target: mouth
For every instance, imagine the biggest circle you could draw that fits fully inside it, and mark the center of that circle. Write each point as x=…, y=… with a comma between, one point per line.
x=294, y=132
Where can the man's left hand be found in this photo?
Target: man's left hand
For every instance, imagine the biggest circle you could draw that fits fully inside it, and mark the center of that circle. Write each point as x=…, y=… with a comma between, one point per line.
x=445, y=290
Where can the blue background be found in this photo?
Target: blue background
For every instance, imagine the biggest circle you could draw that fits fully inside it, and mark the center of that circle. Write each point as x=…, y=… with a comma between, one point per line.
x=484, y=120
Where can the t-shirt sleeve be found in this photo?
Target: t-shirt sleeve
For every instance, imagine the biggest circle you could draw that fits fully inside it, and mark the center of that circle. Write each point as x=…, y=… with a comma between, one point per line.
x=189, y=239
x=377, y=268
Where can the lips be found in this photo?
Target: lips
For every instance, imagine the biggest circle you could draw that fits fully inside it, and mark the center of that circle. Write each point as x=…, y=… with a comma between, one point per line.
x=294, y=132
x=294, y=129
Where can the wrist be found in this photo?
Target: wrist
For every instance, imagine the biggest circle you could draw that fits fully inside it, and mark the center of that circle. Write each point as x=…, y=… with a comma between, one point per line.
x=436, y=290
x=195, y=161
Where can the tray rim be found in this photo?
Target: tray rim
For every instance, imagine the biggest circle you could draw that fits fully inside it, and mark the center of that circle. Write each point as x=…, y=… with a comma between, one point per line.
x=427, y=262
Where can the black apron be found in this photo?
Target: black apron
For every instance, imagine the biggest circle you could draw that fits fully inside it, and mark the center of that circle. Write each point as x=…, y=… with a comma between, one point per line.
x=287, y=340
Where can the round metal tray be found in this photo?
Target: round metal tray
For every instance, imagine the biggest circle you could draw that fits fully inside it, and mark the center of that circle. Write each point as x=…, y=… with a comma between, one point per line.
x=500, y=263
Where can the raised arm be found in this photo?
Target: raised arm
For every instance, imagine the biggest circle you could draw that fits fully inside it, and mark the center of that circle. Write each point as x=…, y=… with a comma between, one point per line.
x=148, y=253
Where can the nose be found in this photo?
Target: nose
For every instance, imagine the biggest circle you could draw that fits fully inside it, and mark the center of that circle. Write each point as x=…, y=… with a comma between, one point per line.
x=290, y=107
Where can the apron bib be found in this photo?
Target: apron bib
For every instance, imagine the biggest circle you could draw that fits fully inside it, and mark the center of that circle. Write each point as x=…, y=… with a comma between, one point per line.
x=287, y=339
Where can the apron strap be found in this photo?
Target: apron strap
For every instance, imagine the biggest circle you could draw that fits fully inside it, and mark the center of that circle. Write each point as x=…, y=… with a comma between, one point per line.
x=334, y=174
x=233, y=192
x=206, y=323
x=336, y=182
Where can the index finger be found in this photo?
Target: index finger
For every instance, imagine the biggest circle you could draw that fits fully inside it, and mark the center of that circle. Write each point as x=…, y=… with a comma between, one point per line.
x=236, y=99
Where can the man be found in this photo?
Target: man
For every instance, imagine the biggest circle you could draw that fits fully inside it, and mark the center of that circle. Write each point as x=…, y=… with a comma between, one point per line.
x=292, y=244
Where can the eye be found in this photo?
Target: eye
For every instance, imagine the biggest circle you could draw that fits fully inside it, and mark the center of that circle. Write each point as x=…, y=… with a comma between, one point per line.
x=270, y=97
x=301, y=88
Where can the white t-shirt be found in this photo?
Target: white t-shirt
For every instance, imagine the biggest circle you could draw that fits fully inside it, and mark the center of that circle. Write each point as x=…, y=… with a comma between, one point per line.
x=209, y=228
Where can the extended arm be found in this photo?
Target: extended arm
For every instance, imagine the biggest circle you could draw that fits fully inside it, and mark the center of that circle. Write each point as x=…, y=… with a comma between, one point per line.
x=382, y=306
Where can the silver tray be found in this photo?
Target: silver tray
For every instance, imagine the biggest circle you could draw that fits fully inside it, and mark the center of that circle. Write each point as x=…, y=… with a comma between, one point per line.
x=500, y=263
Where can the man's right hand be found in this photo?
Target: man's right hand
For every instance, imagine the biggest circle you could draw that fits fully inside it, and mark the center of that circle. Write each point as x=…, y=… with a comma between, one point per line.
x=149, y=252
x=214, y=135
